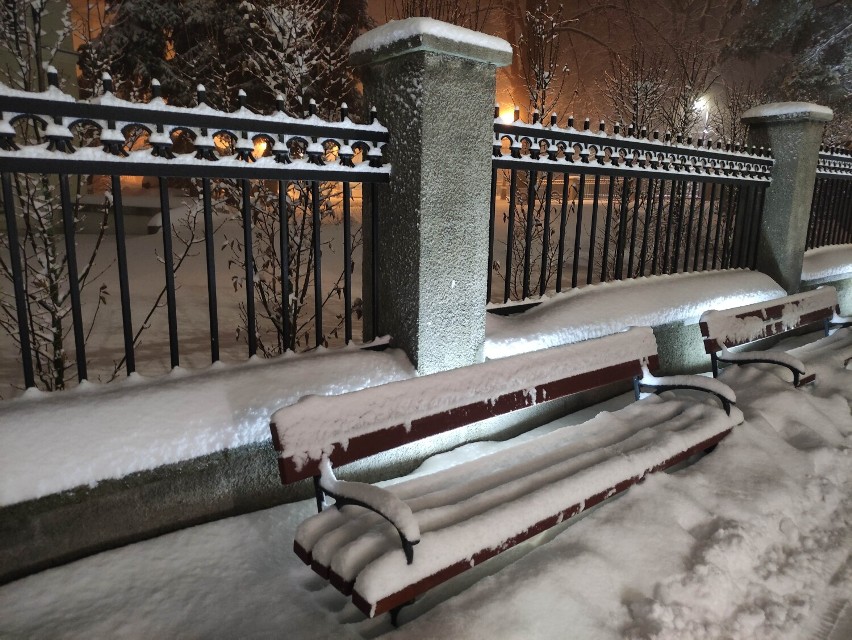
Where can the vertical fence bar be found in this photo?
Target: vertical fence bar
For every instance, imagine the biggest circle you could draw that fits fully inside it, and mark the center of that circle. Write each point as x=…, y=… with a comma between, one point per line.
x=719, y=208
x=374, y=259
x=18, y=281
x=168, y=260
x=674, y=223
x=659, y=222
x=593, y=229
x=492, y=224
x=671, y=222
x=734, y=215
x=607, y=234
x=533, y=177
x=510, y=233
x=709, y=227
x=678, y=236
x=210, y=257
x=315, y=216
x=287, y=335
x=347, y=263
x=689, y=226
x=825, y=211
x=845, y=214
x=563, y=223
x=730, y=219
x=545, y=241
x=578, y=231
x=636, y=202
x=835, y=211
x=622, y=226
x=649, y=207
x=735, y=226
x=751, y=257
x=838, y=211
x=248, y=254
x=123, y=281
x=73, y=277
x=699, y=226
x=747, y=226
x=825, y=203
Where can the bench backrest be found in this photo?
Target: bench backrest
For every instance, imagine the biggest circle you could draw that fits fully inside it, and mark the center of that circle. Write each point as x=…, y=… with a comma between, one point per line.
x=742, y=325
x=358, y=424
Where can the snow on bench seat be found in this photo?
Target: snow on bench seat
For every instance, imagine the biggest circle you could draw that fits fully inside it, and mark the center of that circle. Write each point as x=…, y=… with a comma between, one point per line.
x=469, y=513
x=460, y=517
x=742, y=325
x=358, y=424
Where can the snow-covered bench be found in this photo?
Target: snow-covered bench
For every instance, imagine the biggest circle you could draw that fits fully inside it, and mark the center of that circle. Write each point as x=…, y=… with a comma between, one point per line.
x=742, y=325
x=459, y=517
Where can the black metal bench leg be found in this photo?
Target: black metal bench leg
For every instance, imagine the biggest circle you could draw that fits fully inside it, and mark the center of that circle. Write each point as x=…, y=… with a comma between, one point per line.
x=319, y=493
x=394, y=613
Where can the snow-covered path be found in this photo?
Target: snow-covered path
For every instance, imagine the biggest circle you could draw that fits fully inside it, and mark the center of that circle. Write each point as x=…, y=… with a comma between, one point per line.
x=751, y=542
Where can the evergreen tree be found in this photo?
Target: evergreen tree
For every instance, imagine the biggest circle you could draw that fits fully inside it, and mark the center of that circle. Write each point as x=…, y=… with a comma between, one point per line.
x=813, y=41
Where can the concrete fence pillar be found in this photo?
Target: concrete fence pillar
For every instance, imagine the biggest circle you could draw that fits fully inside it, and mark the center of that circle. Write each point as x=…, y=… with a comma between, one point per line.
x=793, y=130
x=433, y=85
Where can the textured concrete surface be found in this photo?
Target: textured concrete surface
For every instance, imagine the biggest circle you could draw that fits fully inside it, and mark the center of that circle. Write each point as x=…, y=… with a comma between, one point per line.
x=793, y=131
x=436, y=102
x=681, y=349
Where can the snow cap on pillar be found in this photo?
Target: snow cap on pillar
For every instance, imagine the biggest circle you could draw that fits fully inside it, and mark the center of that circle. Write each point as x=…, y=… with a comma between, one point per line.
x=401, y=37
x=787, y=112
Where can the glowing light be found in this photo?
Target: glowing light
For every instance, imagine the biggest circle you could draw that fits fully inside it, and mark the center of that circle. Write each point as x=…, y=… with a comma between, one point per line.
x=702, y=103
x=507, y=113
x=259, y=147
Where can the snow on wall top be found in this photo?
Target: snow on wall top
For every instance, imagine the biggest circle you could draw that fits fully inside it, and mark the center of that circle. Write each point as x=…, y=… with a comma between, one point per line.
x=827, y=263
x=400, y=30
x=602, y=309
x=311, y=427
x=53, y=442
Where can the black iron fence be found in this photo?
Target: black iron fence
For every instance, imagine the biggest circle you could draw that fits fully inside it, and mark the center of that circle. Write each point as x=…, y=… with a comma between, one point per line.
x=830, y=221
x=574, y=207
x=264, y=189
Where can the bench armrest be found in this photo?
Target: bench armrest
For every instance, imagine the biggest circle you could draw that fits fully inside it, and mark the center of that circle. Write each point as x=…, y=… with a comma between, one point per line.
x=781, y=358
x=376, y=499
x=719, y=389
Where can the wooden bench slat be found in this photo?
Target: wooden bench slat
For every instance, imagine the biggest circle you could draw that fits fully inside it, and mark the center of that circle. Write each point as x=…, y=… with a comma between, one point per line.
x=514, y=483
x=382, y=586
x=460, y=482
x=741, y=325
x=474, y=510
x=408, y=593
x=405, y=411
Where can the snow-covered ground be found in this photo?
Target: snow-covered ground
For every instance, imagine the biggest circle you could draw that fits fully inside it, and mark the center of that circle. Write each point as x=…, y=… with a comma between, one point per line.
x=752, y=541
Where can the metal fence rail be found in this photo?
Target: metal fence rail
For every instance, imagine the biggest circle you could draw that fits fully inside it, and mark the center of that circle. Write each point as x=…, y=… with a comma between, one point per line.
x=50, y=136
x=573, y=207
x=830, y=220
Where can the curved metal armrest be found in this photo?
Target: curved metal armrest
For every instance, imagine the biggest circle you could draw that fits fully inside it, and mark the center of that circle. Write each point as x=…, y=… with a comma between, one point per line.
x=376, y=499
x=780, y=358
x=719, y=389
